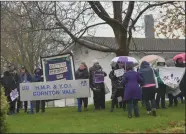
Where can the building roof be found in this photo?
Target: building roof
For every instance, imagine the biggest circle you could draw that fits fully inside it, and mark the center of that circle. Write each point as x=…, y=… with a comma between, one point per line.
x=142, y=44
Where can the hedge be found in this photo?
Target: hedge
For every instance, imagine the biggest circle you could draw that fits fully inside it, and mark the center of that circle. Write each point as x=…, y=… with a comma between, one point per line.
x=3, y=112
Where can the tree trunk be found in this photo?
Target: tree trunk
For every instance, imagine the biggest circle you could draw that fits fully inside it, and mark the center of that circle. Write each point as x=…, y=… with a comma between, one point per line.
x=121, y=39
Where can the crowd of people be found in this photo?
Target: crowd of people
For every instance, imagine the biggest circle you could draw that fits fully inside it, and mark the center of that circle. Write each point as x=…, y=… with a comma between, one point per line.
x=132, y=87
x=11, y=80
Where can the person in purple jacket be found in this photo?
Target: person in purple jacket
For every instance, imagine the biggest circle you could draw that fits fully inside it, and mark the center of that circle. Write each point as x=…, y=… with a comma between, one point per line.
x=132, y=92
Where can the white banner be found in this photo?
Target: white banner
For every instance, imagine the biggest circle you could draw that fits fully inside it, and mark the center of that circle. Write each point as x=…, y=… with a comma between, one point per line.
x=119, y=72
x=171, y=76
x=14, y=94
x=59, y=89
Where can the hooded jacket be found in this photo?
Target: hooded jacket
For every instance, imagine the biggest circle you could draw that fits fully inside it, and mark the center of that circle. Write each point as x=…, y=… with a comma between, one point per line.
x=10, y=82
x=146, y=73
x=37, y=75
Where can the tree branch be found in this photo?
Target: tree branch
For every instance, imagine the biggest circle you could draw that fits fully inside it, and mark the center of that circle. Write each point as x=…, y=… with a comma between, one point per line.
x=146, y=8
x=128, y=14
x=117, y=9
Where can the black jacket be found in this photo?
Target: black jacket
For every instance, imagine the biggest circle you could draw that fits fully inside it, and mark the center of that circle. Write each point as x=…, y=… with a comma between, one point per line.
x=10, y=81
x=117, y=86
x=82, y=74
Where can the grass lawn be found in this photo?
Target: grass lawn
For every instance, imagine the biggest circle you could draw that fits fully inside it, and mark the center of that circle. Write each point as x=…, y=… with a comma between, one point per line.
x=61, y=120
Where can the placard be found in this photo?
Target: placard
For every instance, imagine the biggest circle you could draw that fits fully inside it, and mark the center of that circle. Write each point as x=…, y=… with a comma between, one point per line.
x=119, y=72
x=171, y=76
x=14, y=94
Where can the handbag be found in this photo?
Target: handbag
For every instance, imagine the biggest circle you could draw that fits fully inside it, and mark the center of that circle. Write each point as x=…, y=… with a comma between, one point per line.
x=106, y=89
x=155, y=78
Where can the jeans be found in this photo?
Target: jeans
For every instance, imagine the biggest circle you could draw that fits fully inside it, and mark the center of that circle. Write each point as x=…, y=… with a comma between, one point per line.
x=84, y=101
x=132, y=104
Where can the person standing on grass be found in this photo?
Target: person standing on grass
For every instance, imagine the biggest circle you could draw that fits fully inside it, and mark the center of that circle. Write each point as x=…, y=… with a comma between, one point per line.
x=180, y=63
x=132, y=92
x=38, y=73
x=97, y=85
x=148, y=87
x=10, y=82
x=82, y=73
x=24, y=78
x=117, y=87
x=161, y=91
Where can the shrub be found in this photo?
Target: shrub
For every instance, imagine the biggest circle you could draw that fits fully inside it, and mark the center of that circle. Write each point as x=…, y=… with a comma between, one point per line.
x=3, y=112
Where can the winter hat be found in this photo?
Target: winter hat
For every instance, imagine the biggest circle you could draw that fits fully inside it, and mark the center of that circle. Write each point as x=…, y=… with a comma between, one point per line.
x=23, y=67
x=95, y=62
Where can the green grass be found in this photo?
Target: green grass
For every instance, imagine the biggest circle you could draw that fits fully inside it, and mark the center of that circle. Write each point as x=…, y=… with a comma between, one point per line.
x=61, y=120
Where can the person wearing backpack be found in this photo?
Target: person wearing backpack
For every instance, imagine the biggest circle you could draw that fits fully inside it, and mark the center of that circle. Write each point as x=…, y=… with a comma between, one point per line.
x=161, y=91
x=96, y=77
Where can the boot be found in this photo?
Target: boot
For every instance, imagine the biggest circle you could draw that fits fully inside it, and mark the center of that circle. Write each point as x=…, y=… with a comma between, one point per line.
x=153, y=112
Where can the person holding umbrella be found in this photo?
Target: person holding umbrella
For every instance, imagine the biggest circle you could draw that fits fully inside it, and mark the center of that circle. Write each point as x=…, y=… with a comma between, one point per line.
x=122, y=63
x=117, y=87
x=161, y=91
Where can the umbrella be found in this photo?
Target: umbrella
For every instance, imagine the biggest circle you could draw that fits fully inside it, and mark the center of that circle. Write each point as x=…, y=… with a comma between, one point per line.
x=170, y=63
x=182, y=56
x=125, y=59
x=152, y=58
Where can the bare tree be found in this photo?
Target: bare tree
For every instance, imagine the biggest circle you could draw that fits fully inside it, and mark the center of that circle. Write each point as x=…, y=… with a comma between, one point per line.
x=19, y=44
x=172, y=22
x=123, y=20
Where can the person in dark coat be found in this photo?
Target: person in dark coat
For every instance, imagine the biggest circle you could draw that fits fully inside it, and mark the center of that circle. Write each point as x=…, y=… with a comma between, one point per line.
x=161, y=91
x=117, y=87
x=82, y=73
x=38, y=73
x=132, y=93
x=96, y=77
x=148, y=87
x=10, y=82
x=179, y=63
x=24, y=76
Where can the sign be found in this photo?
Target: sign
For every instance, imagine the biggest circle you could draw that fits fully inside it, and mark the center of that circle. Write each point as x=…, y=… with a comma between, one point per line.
x=119, y=72
x=59, y=89
x=99, y=77
x=14, y=94
x=171, y=76
x=58, y=67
